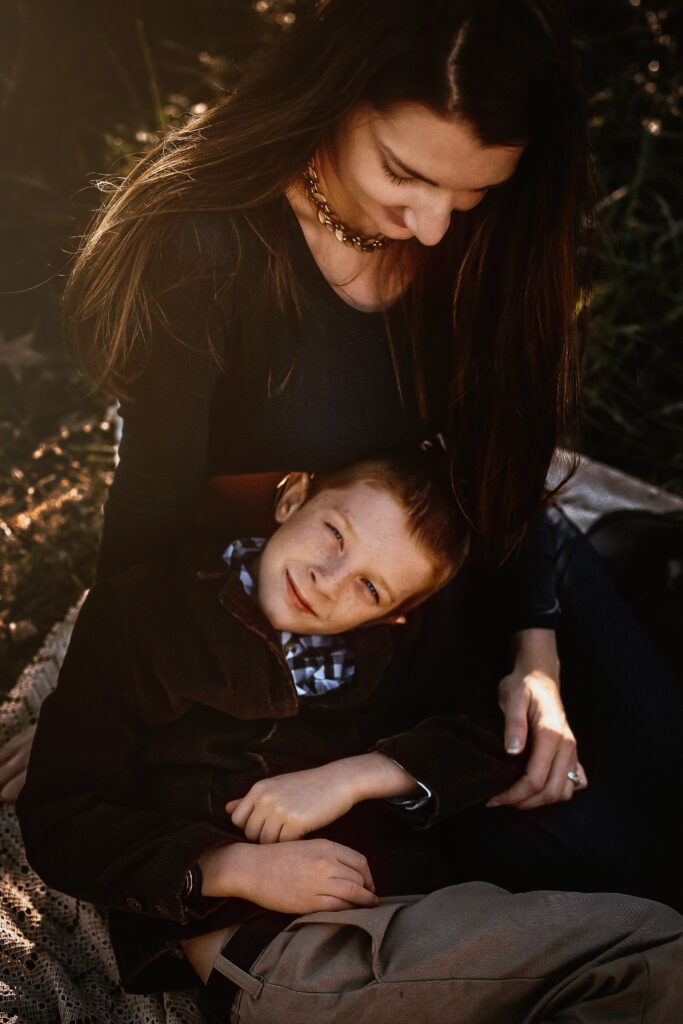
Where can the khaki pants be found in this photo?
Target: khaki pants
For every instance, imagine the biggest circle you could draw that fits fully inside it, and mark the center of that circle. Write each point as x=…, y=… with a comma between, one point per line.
x=470, y=954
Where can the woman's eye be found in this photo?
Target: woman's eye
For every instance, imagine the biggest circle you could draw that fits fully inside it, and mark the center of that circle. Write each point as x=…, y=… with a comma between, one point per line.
x=394, y=178
x=335, y=533
x=372, y=589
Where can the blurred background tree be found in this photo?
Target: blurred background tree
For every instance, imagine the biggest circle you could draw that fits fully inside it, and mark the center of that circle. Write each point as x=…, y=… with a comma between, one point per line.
x=86, y=87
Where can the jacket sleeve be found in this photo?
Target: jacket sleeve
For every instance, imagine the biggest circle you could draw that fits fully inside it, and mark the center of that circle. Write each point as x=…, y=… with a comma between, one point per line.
x=459, y=757
x=439, y=718
x=162, y=465
x=458, y=754
x=86, y=832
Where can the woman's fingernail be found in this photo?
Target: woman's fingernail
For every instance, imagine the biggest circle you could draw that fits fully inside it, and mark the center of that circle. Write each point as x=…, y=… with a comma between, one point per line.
x=493, y=803
x=514, y=745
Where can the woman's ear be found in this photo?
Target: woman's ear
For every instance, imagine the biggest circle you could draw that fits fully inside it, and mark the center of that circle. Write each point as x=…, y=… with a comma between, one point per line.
x=292, y=495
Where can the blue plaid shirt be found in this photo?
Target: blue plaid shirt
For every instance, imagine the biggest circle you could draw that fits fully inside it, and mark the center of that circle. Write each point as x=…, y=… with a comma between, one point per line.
x=317, y=663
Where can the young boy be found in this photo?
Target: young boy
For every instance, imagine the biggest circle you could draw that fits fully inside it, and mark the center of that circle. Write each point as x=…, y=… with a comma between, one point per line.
x=209, y=718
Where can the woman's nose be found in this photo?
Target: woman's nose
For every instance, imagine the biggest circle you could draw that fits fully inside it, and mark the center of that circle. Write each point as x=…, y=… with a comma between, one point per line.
x=430, y=222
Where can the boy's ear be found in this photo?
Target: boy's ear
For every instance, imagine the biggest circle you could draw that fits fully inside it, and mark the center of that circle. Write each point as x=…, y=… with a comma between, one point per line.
x=292, y=496
x=390, y=620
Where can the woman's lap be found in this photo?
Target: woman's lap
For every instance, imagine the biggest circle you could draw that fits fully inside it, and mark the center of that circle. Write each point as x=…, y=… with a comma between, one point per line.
x=624, y=702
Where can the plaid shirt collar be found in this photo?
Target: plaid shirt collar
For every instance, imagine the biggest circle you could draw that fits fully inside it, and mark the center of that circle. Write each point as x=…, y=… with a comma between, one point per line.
x=318, y=663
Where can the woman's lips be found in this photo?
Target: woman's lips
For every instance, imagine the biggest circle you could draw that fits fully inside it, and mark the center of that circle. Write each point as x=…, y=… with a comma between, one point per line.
x=296, y=597
x=398, y=221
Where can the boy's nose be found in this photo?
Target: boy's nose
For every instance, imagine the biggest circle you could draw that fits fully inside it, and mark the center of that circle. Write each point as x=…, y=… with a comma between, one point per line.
x=327, y=580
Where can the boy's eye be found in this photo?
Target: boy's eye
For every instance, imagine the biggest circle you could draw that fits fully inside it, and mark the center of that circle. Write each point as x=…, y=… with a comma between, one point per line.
x=335, y=533
x=396, y=179
x=372, y=589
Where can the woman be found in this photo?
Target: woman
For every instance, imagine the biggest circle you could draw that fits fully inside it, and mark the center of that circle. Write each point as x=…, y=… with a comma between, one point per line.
x=373, y=241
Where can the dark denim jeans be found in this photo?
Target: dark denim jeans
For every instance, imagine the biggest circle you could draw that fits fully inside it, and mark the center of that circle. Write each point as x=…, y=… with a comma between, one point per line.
x=624, y=702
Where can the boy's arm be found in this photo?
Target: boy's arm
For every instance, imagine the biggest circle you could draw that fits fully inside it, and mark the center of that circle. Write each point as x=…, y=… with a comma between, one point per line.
x=84, y=833
x=289, y=806
x=293, y=878
x=458, y=756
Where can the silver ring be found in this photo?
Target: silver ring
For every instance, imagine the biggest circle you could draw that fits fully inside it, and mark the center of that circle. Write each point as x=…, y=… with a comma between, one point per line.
x=575, y=778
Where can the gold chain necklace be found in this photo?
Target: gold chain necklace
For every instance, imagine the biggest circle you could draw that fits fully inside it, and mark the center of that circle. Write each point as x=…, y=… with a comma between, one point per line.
x=329, y=219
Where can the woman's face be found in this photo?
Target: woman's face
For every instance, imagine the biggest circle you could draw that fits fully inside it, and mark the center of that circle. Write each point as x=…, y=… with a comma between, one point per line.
x=403, y=172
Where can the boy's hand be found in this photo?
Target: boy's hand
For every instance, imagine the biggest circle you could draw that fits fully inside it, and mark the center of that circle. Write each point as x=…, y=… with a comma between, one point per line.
x=290, y=806
x=287, y=807
x=293, y=878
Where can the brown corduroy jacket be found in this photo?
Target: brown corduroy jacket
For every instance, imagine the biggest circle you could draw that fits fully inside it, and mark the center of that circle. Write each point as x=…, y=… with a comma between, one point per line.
x=174, y=698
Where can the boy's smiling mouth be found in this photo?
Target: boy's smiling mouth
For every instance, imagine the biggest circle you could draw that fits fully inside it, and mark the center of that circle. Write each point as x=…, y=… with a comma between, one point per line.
x=297, y=598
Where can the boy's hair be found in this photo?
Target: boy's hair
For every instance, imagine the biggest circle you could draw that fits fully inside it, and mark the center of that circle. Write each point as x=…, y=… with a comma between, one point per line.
x=420, y=481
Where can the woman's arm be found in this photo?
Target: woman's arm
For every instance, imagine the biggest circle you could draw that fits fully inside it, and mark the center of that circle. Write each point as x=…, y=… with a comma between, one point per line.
x=162, y=465
x=529, y=695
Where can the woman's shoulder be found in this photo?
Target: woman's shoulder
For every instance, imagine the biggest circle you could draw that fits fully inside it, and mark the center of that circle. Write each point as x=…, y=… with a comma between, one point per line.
x=196, y=243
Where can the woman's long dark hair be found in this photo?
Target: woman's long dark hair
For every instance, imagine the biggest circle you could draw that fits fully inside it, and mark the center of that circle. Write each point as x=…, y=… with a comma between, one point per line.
x=509, y=267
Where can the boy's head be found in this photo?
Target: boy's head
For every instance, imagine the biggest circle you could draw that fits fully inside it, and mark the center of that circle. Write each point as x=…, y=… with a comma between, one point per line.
x=360, y=545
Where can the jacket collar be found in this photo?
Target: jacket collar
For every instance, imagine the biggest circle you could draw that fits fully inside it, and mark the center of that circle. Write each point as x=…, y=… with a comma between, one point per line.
x=217, y=601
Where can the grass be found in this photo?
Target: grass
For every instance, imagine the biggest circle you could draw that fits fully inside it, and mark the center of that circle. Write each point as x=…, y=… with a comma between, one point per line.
x=633, y=367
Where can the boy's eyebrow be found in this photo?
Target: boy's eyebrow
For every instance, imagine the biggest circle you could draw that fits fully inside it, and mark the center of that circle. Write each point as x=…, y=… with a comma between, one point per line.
x=348, y=524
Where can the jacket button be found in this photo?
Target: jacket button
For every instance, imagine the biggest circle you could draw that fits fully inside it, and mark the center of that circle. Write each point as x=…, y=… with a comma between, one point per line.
x=133, y=904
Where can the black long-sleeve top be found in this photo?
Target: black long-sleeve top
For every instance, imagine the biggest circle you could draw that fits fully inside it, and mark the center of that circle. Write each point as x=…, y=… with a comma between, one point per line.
x=230, y=385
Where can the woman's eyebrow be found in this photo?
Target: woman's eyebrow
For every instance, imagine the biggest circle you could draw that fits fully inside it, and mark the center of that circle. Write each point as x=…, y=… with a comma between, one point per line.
x=420, y=177
x=405, y=168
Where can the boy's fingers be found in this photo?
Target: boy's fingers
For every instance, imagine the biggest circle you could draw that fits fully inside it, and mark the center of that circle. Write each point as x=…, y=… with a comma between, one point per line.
x=351, y=892
x=254, y=827
x=290, y=832
x=232, y=805
x=353, y=859
x=271, y=832
x=241, y=815
x=333, y=903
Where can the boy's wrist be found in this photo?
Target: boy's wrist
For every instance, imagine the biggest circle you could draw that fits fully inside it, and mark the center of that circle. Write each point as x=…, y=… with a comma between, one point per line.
x=225, y=870
x=375, y=776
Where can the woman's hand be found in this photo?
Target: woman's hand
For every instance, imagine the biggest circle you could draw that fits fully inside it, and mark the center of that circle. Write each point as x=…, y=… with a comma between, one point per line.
x=13, y=761
x=293, y=878
x=530, y=700
x=287, y=807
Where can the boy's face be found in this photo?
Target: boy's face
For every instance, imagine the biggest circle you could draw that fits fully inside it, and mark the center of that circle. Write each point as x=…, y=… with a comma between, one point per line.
x=341, y=559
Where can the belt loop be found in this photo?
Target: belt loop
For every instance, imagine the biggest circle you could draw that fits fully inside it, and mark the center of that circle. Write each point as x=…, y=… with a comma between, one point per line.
x=235, y=974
